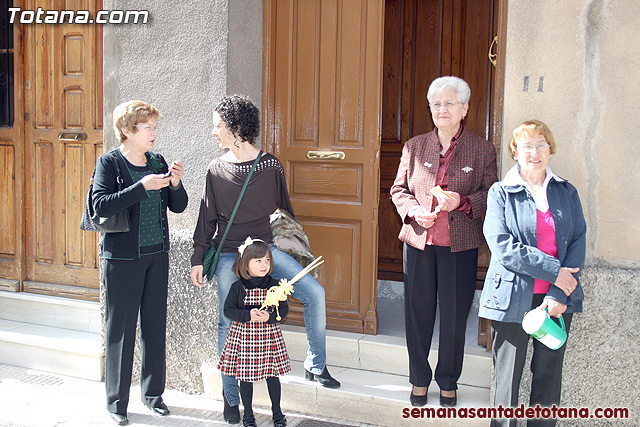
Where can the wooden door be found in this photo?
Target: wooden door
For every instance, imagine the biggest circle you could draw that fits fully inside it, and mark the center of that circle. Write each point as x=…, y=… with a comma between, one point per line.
x=63, y=138
x=322, y=93
x=426, y=39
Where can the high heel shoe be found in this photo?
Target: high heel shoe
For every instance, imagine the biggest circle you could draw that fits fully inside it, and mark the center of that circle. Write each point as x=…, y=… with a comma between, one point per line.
x=448, y=401
x=417, y=400
x=325, y=379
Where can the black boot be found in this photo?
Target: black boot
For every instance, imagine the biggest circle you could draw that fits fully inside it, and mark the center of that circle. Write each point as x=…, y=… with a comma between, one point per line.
x=231, y=414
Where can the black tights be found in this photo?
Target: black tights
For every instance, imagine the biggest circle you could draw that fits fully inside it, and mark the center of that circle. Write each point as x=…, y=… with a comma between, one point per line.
x=246, y=394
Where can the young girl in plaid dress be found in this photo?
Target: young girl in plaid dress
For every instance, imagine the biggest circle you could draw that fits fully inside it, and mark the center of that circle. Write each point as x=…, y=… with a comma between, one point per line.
x=255, y=349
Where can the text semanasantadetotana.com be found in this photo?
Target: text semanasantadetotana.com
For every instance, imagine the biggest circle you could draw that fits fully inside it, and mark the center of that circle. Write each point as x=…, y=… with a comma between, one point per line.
x=520, y=412
x=41, y=16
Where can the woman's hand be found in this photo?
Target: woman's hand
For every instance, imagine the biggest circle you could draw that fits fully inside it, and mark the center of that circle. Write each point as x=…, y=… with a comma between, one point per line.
x=424, y=218
x=566, y=281
x=176, y=170
x=554, y=307
x=259, y=315
x=155, y=182
x=196, y=275
x=448, y=200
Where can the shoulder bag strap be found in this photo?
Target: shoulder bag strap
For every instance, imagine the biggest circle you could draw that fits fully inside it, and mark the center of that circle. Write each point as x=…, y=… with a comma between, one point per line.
x=119, y=179
x=235, y=208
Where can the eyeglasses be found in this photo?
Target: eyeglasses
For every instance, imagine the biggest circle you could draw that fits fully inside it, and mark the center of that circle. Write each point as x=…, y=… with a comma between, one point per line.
x=448, y=105
x=148, y=128
x=530, y=148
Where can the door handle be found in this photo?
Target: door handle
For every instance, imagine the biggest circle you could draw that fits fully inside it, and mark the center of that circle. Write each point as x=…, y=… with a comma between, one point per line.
x=72, y=136
x=325, y=155
x=493, y=56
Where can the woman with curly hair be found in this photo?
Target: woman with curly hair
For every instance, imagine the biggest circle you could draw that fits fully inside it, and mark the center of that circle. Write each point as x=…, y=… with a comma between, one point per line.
x=236, y=125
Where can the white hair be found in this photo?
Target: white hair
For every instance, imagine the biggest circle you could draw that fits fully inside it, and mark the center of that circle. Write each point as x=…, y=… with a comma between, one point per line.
x=463, y=92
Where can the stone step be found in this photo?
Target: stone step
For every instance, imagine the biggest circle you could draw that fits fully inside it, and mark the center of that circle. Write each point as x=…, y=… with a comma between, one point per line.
x=51, y=311
x=370, y=397
x=51, y=334
x=384, y=354
x=52, y=349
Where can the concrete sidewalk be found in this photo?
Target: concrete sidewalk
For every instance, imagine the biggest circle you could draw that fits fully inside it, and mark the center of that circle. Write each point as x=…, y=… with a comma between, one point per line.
x=30, y=398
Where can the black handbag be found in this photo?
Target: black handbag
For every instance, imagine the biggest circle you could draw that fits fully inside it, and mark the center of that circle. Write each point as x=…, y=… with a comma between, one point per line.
x=211, y=257
x=91, y=221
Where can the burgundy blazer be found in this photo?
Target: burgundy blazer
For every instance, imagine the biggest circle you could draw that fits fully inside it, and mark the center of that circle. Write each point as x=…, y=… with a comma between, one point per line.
x=472, y=170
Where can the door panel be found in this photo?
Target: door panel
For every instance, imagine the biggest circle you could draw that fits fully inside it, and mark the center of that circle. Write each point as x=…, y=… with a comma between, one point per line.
x=9, y=212
x=322, y=87
x=426, y=39
x=7, y=195
x=62, y=142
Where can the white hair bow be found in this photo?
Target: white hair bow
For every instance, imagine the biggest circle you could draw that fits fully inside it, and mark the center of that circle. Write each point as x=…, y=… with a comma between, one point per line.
x=247, y=242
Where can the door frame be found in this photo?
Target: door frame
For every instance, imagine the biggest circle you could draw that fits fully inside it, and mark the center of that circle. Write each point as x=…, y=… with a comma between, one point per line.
x=12, y=270
x=497, y=98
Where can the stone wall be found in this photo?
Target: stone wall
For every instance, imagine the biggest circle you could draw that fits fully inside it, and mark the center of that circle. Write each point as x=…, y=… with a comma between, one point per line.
x=602, y=363
x=192, y=315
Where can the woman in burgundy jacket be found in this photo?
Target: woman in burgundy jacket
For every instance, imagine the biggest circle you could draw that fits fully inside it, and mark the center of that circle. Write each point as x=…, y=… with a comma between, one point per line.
x=441, y=233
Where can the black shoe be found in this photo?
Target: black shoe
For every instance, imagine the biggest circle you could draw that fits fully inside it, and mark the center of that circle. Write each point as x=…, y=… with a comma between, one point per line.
x=231, y=414
x=280, y=421
x=448, y=401
x=120, y=419
x=325, y=379
x=418, y=400
x=160, y=408
x=249, y=422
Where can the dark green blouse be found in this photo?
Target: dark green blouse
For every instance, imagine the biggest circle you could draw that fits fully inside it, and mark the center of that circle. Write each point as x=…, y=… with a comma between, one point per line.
x=151, y=234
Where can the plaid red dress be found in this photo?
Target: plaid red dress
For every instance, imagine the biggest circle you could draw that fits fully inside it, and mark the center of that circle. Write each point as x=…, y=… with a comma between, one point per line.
x=254, y=350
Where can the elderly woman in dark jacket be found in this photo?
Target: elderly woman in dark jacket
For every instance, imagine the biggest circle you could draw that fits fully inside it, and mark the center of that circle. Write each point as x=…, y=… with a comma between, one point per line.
x=441, y=233
x=536, y=232
x=136, y=263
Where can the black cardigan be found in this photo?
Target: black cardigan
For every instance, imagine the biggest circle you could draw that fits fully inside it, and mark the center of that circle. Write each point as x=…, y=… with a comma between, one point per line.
x=107, y=201
x=235, y=309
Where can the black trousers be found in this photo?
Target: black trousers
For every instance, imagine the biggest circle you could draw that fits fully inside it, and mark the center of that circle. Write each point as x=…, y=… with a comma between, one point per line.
x=510, y=344
x=135, y=287
x=431, y=275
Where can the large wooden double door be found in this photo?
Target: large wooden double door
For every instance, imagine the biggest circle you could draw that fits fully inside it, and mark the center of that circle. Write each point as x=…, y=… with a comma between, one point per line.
x=345, y=85
x=48, y=154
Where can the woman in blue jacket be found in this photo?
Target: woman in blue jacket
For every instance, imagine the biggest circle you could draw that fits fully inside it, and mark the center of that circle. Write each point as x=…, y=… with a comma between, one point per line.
x=536, y=230
x=136, y=263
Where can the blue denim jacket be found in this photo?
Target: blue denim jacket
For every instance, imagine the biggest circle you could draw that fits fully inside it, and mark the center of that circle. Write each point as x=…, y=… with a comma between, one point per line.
x=510, y=231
